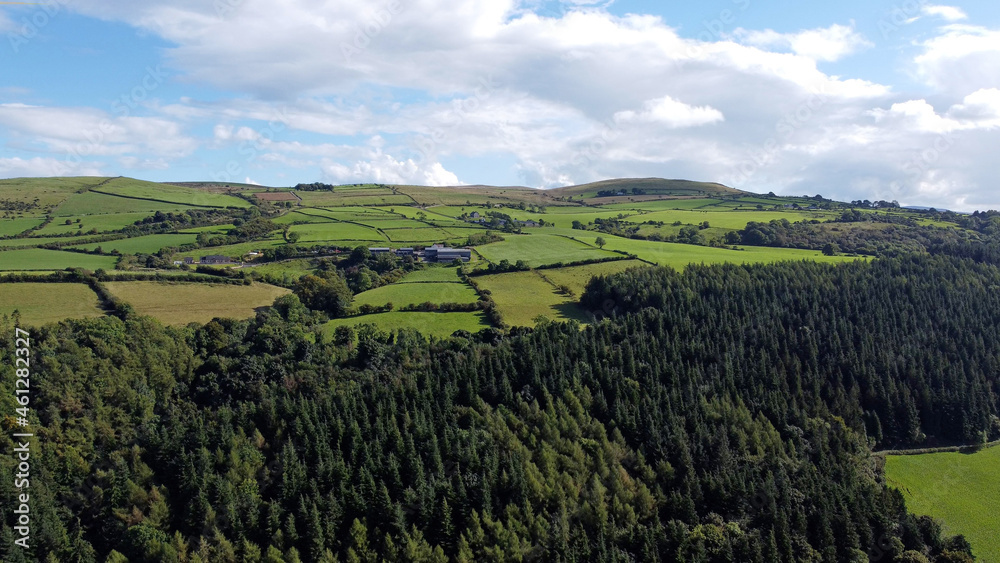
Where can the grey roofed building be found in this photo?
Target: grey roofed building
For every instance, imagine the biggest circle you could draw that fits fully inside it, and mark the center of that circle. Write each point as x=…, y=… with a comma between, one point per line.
x=216, y=259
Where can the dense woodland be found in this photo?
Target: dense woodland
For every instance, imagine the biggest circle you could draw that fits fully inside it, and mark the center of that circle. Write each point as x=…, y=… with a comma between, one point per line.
x=726, y=413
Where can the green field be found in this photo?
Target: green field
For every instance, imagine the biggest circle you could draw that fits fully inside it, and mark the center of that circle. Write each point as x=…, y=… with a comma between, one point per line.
x=132, y=188
x=49, y=192
x=42, y=259
x=322, y=232
x=41, y=303
x=522, y=296
x=576, y=277
x=400, y=294
x=92, y=203
x=729, y=219
x=542, y=249
x=38, y=241
x=352, y=196
x=680, y=255
x=182, y=303
x=440, y=325
x=102, y=223
x=431, y=273
x=233, y=250
x=12, y=227
x=148, y=244
x=293, y=269
x=958, y=489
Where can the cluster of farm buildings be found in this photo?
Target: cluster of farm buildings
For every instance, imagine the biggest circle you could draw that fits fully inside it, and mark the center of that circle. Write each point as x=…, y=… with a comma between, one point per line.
x=434, y=253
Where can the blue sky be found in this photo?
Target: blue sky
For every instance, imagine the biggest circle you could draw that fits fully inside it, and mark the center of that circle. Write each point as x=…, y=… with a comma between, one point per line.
x=853, y=100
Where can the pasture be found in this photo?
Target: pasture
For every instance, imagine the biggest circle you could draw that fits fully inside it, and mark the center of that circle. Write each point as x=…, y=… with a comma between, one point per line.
x=542, y=249
x=93, y=203
x=333, y=232
x=680, y=255
x=129, y=187
x=958, y=489
x=400, y=294
x=102, y=223
x=148, y=244
x=13, y=227
x=43, y=259
x=47, y=193
x=182, y=303
x=440, y=325
x=432, y=273
x=576, y=277
x=41, y=303
x=523, y=296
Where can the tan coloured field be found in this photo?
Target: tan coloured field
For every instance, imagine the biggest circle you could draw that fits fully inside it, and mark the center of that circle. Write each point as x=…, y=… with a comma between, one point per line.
x=183, y=303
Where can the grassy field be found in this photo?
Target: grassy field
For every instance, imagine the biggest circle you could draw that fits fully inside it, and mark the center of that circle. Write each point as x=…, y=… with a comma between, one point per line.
x=958, y=489
x=320, y=232
x=92, y=203
x=431, y=273
x=102, y=223
x=41, y=303
x=400, y=294
x=148, y=244
x=42, y=259
x=433, y=324
x=49, y=192
x=182, y=303
x=294, y=269
x=680, y=255
x=130, y=187
x=522, y=296
x=12, y=227
x=233, y=250
x=576, y=277
x=542, y=249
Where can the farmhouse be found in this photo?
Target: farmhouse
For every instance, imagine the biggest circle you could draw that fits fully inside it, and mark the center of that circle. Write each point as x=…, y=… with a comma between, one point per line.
x=474, y=214
x=216, y=259
x=379, y=250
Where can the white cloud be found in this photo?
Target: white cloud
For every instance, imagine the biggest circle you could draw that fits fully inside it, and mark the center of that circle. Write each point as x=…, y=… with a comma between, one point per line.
x=384, y=168
x=961, y=59
x=824, y=44
x=45, y=166
x=948, y=13
x=561, y=98
x=85, y=132
x=672, y=113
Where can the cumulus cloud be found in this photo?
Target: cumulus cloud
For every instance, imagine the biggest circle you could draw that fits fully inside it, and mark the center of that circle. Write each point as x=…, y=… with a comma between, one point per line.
x=961, y=59
x=355, y=91
x=948, y=13
x=824, y=44
x=384, y=168
x=83, y=132
x=672, y=113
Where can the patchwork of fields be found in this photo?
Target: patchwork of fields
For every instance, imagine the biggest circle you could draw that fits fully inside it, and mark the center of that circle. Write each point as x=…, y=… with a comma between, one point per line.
x=379, y=215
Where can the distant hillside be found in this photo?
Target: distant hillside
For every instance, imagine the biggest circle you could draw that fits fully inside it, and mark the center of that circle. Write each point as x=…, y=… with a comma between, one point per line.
x=647, y=187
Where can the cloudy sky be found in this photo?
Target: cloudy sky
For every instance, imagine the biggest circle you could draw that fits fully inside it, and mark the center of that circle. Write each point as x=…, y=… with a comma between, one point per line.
x=850, y=99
